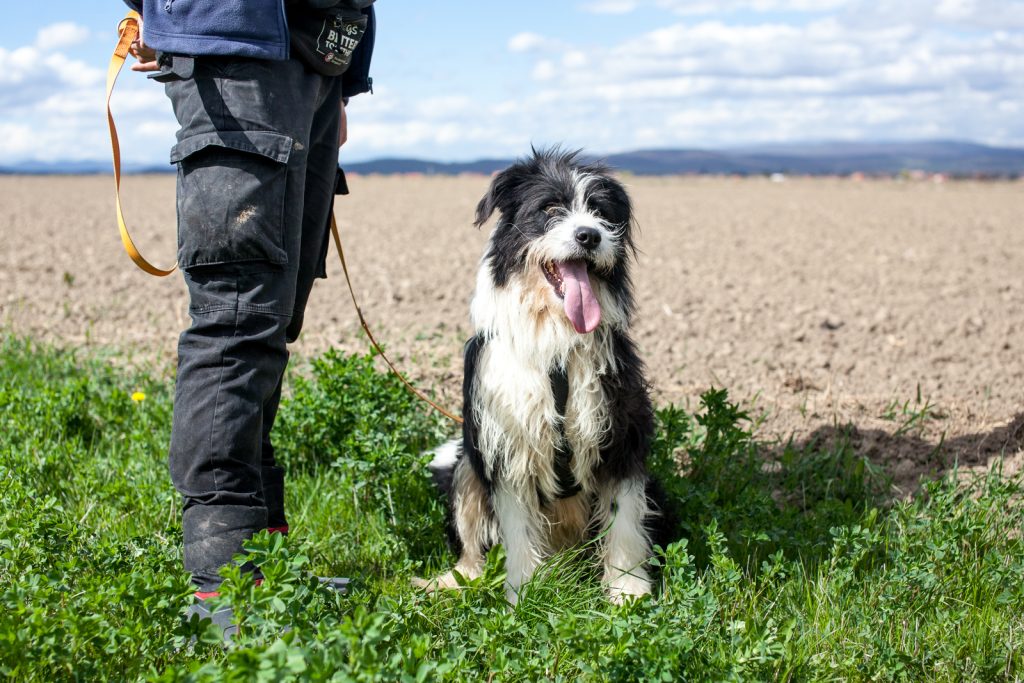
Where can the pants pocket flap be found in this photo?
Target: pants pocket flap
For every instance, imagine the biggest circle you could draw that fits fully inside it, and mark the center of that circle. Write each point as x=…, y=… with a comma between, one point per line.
x=274, y=146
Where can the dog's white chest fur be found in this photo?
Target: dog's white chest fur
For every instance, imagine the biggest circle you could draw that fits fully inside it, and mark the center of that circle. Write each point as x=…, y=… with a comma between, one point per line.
x=517, y=419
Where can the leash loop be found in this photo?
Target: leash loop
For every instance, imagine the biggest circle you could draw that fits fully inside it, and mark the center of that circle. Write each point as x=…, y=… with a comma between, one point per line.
x=128, y=29
x=369, y=335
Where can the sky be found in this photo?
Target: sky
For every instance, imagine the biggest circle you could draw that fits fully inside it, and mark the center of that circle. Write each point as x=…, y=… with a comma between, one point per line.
x=471, y=79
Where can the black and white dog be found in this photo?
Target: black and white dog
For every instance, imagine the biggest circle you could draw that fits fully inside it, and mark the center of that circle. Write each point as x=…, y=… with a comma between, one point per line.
x=558, y=420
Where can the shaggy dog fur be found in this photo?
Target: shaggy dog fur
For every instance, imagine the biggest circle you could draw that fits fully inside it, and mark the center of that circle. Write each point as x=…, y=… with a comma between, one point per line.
x=558, y=420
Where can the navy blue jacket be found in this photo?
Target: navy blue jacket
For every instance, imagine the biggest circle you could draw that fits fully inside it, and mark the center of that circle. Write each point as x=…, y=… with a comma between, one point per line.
x=243, y=28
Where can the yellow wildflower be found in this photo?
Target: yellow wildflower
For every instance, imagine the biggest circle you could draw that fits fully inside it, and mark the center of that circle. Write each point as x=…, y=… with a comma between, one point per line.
x=138, y=397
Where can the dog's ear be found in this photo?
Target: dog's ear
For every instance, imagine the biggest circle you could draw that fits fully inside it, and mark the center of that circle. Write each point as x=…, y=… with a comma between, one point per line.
x=499, y=194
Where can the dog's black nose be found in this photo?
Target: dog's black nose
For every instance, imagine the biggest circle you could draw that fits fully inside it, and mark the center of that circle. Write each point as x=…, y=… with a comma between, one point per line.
x=588, y=238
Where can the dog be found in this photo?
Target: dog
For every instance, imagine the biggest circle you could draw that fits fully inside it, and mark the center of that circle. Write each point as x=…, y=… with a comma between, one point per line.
x=557, y=414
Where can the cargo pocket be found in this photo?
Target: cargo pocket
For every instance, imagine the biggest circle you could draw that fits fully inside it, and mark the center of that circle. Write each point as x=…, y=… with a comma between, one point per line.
x=231, y=193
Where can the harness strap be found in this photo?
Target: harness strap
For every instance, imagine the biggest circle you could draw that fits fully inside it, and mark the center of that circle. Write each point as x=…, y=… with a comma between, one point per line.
x=129, y=32
x=569, y=487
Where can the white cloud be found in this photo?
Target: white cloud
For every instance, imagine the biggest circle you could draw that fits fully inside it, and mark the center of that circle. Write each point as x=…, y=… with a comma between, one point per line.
x=445, y=106
x=989, y=14
x=954, y=14
x=545, y=70
x=52, y=104
x=716, y=59
x=698, y=7
x=611, y=6
x=533, y=42
x=61, y=35
x=427, y=137
x=70, y=103
x=29, y=72
x=16, y=140
x=712, y=82
x=162, y=131
x=575, y=59
x=707, y=7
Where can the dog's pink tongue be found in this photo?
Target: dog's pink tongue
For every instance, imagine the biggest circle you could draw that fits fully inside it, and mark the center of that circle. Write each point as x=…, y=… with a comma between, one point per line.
x=580, y=303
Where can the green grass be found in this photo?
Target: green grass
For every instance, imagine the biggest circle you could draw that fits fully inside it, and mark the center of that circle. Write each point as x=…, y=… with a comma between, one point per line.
x=792, y=563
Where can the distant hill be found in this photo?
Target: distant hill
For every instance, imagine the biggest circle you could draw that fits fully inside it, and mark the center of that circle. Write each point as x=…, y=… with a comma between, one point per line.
x=825, y=158
x=485, y=166
x=817, y=158
x=79, y=168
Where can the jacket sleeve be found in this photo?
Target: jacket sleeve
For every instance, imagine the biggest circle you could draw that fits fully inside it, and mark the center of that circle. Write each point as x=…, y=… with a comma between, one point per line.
x=356, y=80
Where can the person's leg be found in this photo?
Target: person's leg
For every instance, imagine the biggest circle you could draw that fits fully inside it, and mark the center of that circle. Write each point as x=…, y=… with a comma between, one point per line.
x=242, y=157
x=229, y=361
x=321, y=171
x=321, y=165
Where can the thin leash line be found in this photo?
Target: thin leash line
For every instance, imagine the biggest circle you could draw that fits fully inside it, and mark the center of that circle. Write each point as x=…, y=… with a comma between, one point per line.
x=369, y=335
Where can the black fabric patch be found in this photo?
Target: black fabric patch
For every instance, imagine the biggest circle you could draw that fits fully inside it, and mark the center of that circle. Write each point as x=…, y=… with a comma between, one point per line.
x=326, y=40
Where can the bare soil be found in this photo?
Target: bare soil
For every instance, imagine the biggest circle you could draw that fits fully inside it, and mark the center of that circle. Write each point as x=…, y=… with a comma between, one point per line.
x=887, y=313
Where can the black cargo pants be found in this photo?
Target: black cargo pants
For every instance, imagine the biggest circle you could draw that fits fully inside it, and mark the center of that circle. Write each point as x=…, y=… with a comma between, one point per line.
x=256, y=154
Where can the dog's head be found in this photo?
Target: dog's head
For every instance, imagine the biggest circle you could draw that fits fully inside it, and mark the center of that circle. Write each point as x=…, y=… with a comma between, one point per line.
x=567, y=220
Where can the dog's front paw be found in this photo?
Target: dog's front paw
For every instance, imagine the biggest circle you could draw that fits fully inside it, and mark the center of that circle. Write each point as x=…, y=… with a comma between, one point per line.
x=446, y=581
x=449, y=580
x=627, y=587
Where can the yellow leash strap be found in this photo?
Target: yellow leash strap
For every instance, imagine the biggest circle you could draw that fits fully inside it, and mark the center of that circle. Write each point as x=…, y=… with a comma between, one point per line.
x=369, y=334
x=129, y=31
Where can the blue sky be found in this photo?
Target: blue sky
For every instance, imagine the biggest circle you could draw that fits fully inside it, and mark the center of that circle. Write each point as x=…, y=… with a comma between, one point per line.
x=468, y=79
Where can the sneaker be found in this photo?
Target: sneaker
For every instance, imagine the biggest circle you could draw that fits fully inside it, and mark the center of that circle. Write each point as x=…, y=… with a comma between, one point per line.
x=224, y=618
x=337, y=583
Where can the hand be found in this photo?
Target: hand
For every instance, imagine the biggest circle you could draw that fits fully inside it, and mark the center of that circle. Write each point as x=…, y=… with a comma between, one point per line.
x=343, y=128
x=146, y=55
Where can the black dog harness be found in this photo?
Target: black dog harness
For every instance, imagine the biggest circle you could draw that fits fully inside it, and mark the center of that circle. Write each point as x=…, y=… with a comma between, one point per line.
x=567, y=484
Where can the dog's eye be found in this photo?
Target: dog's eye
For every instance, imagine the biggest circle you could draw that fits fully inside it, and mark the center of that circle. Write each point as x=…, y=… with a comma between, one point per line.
x=551, y=209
